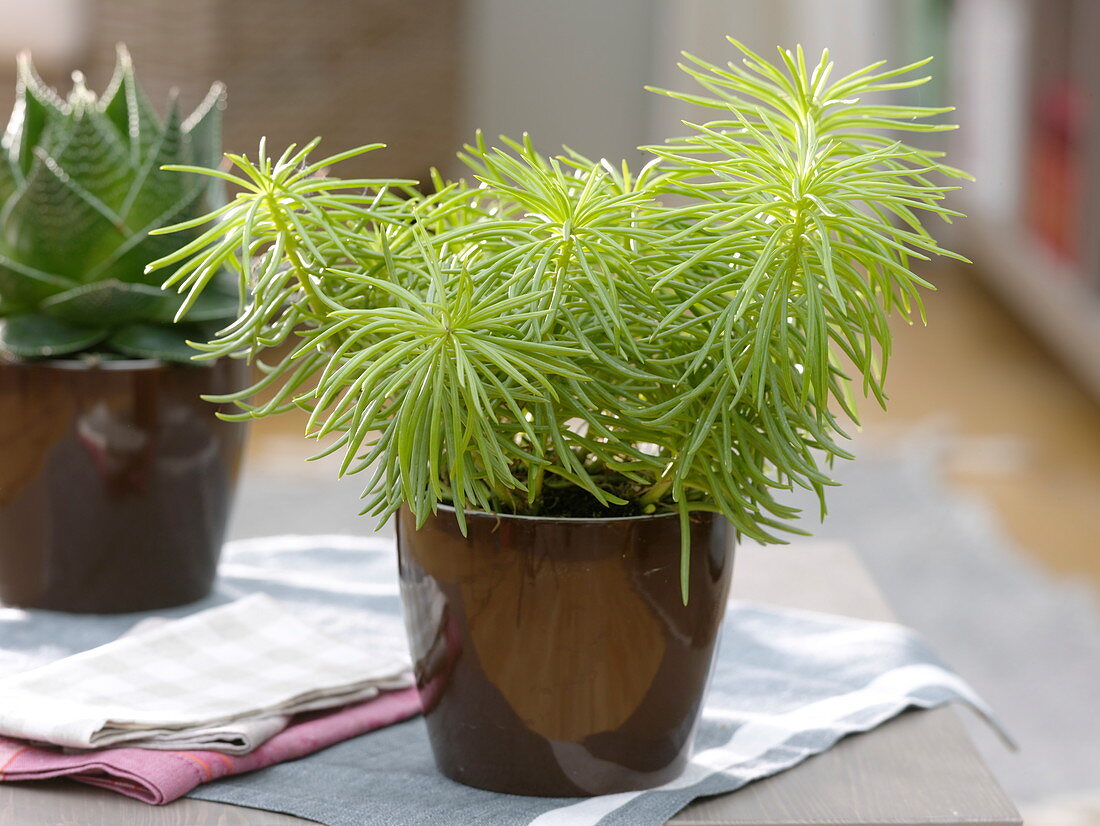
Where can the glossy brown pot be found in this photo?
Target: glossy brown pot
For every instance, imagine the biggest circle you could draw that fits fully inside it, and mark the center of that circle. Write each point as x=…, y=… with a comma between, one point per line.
x=555, y=657
x=115, y=483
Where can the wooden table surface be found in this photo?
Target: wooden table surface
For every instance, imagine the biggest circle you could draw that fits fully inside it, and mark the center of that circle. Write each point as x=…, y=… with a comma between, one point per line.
x=919, y=768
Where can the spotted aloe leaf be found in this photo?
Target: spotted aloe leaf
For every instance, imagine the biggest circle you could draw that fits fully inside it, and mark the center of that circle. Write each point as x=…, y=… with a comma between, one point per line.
x=81, y=189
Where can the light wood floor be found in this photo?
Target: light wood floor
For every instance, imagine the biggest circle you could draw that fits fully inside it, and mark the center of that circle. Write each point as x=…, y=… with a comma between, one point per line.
x=1028, y=437
x=1025, y=437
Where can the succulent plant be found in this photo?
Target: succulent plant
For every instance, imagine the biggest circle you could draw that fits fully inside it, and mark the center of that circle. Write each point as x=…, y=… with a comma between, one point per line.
x=572, y=338
x=82, y=186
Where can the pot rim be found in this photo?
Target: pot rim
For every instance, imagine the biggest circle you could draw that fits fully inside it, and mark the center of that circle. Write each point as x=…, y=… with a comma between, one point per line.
x=85, y=364
x=568, y=519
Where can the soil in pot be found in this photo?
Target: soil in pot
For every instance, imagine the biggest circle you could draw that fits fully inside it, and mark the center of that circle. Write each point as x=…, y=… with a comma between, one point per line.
x=555, y=657
x=116, y=482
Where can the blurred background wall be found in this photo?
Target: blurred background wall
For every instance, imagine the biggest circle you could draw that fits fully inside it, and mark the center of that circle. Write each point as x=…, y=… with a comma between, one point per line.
x=295, y=70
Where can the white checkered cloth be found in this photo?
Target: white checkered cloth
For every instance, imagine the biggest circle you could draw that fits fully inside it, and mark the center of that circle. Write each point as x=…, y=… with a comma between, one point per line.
x=224, y=679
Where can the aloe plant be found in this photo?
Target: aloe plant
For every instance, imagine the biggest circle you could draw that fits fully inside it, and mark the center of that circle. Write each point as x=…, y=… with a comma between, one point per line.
x=81, y=188
x=571, y=337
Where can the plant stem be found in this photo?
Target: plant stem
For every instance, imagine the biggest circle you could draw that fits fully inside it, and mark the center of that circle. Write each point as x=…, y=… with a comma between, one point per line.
x=301, y=271
x=534, y=486
x=656, y=492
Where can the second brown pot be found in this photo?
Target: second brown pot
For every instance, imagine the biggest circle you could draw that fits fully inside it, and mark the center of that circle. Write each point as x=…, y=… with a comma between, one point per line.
x=555, y=657
x=115, y=483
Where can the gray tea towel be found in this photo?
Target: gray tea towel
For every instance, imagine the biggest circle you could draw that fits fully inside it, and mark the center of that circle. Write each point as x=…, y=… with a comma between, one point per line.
x=787, y=684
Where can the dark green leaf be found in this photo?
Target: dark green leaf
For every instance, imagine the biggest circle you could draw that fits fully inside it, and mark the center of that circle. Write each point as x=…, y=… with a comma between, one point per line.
x=9, y=182
x=204, y=129
x=154, y=190
x=108, y=303
x=20, y=284
x=213, y=306
x=157, y=341
x=95, y=159
x=128, y=261
x=53, y=226
x=129, y=110
x=113, y=103
x=10, y=307
x=38, y=336
x=36, y=108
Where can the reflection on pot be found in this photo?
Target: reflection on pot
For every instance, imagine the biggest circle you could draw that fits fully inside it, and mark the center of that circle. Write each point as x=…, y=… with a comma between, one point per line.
x=115, y=445
x=433, y=631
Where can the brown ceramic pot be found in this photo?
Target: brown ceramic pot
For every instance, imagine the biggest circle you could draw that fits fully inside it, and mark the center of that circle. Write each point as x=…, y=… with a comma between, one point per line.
x=555, y=657
x=115, y=482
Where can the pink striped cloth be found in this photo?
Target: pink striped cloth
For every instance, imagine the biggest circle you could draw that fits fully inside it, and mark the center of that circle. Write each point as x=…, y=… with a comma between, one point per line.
x=158, y=777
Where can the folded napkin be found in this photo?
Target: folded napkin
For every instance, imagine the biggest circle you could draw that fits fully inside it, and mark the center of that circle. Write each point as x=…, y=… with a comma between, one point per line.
x=162, y=776
x=225, y=679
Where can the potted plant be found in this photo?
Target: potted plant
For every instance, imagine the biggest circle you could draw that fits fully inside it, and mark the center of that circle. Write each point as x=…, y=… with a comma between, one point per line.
x=116, y=479
x=576, y=384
